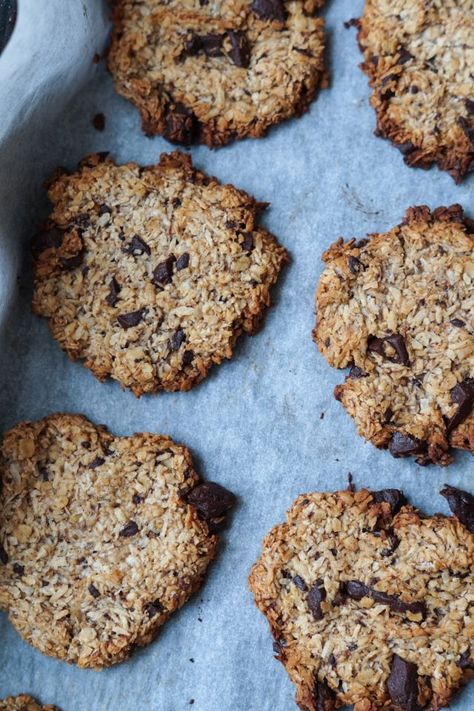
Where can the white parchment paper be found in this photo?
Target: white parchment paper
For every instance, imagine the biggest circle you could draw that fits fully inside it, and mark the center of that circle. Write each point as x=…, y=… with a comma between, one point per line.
x=255, y=424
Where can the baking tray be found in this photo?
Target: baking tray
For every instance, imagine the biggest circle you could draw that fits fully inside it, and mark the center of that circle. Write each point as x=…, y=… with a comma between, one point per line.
x=256, y=424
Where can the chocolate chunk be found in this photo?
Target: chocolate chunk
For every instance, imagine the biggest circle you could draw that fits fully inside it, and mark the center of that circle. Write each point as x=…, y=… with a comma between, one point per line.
x=3, y=555
x=269, y=9
x=356, y=372
x=469, y=106
x=240, y=48
x=300, y=583
x=188, y=357
x=465, y=661
x=403, y=445
x=463, y=395
x=182, y=262
x=131, y=319
x=210, y=500
x=163, y=273
x=153, y=608
x=129, y=530
x=402, y=684
x=114, y=291
x=355, y=265
x=93, y=591
x=357, y=590
x=43, y=471
x=99, y=122
x=104, y=209
x=18, y=569
x=394, y=497
x=247, y=244
x=315, y=597
x=457, y=323
x=324, y=696
x=181, y=125
x=177, y=339
x=377, y=345
x=404, y=57
x=210, y=44
x=461, y=504
x=467, y=128
x=137, y=246
x=49, y=239
x=137, y=499
x=97, y=462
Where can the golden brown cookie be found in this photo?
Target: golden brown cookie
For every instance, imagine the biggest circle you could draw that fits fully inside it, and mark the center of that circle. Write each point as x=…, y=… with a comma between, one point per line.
x=23, y=703
x=102, y=538
x=151, y=274
x=213, y=72
x=398, y=308
x=369, y=602
x=419, y=55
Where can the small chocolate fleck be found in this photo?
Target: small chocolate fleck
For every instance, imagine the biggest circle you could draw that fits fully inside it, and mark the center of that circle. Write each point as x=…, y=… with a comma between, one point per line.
x=404, y=445
x=182, y=262
x=404, y=57
x=356, y=372
x=211, y=500
x=316, y=596
x=44, y=473
x=131, y=319
x=457, y=323
x=469, y=106
x=137, y=246
x=402, y=684
x=163, y=273
x=465, y=661
x=300, y=583
x=188, y=357
x=114, y=291
x=99, y=122
x=104, y=209
x=355, y=265
x=177, y=339
x=3, y=555
x=18, y=569
x=247, y=244
x=137, y=499
x=353, y=22
x=153, y=608
x=461, y=504
x=93, y=591
x=131, y=529
x=269, y=9
x=97, y=462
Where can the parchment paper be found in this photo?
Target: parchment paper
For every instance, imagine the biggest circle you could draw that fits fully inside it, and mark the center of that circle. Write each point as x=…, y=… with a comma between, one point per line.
x=255, y=424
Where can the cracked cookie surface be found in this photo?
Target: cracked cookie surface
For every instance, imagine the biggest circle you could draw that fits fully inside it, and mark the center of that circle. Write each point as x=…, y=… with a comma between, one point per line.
x=102, y=538
x=419, y=55
x=150, y=274
x=369, y=602
x=23, y=702
x=212, y=72
x=398, y=308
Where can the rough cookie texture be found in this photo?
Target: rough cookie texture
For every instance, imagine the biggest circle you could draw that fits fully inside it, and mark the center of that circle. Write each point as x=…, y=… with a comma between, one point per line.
x=213, y=72
x=369, y=602
x=419, y=56
x=99, y=543
x=150, y=274
x=398, y=308
x=23, y=703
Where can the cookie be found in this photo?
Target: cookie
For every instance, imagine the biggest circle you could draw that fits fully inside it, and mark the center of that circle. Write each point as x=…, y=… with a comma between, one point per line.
x=398, y=309
x=210, y=73
x=102, y=538
x=150, y=274
x=23, y=703
x=418, y=57
x=369, y=602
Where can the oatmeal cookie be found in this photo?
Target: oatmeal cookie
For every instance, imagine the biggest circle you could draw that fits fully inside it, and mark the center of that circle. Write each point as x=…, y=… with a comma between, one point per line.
x=150, y=274
x=102, y=538
x=418, y=56
x=398, y=308
x=23, y=703
x=210, y=73
x=369, y=602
